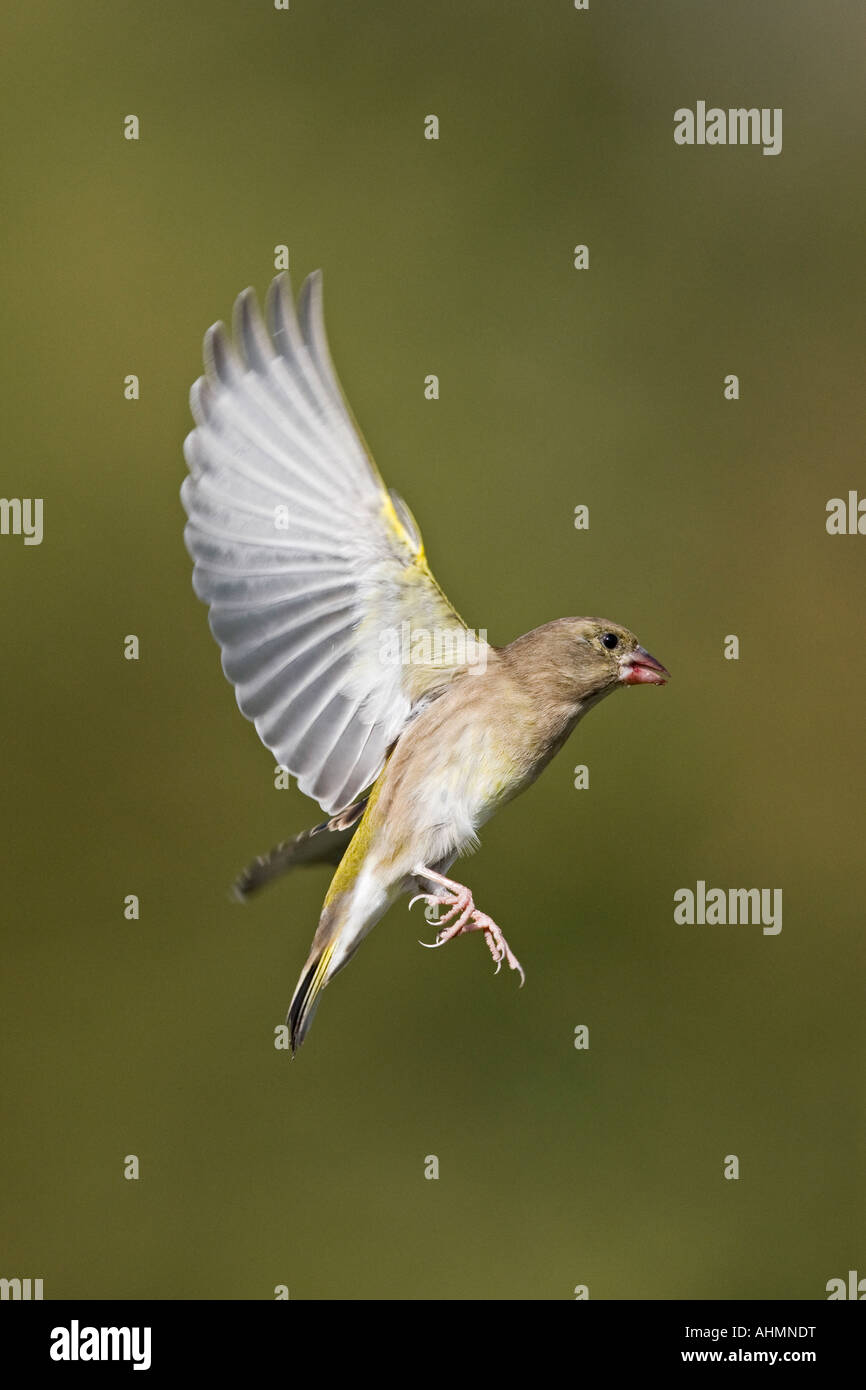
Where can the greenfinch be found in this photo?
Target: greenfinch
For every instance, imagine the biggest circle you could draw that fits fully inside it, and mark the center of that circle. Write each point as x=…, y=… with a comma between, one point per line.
x=407, y=728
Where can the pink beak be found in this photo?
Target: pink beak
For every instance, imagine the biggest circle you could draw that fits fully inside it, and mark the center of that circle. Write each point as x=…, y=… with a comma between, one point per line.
x=639, y=668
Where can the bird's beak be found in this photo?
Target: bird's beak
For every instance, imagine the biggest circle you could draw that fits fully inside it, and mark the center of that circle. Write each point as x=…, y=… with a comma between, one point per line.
x=639, y=668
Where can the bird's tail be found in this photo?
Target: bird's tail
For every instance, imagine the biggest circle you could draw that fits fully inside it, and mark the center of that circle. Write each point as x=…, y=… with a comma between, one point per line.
x=305, y=999
x=324, y=844
x=352, y=908
x=332, y=946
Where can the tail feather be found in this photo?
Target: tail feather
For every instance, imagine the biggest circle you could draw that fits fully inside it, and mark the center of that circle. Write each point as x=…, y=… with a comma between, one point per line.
x=350, y=912
x=305, y=999
x=324, y=844
x=357, y=898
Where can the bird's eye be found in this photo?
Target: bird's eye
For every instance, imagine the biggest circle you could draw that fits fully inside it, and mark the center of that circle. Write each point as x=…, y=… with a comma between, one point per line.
x=609, y=640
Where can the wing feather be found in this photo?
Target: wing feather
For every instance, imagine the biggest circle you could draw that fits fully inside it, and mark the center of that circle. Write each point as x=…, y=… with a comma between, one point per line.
x=307, y=562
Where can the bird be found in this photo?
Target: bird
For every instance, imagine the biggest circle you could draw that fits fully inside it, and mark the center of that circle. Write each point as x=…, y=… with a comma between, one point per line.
x=409, y=728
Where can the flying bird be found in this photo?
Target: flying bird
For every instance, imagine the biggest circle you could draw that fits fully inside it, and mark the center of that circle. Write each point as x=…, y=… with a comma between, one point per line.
x=408, y=728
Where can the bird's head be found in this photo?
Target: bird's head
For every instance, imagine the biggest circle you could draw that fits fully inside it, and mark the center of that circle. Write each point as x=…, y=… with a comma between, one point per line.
x=575, y=662
x=607, y=655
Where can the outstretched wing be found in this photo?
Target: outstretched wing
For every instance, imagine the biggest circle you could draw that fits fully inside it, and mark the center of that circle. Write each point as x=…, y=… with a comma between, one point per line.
x=315, y=574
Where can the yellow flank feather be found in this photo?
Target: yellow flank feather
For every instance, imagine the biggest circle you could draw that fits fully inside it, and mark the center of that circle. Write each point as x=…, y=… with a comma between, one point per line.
x=357, y=848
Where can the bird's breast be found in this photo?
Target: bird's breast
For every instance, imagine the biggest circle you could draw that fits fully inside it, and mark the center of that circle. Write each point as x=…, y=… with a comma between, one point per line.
x=462, y=758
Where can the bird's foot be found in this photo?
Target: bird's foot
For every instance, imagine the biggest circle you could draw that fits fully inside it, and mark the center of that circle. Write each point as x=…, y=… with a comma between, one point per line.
x=463, y=917
x=499, y=947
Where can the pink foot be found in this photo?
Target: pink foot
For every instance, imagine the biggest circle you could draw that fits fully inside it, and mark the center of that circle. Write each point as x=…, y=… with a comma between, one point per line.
x=462, y=917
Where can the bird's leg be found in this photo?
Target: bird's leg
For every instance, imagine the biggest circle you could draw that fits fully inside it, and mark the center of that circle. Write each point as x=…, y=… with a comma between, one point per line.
x=461, y=907
x=458, y=899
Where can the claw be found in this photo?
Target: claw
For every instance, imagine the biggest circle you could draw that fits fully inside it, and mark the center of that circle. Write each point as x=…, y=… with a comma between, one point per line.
x=463, y=916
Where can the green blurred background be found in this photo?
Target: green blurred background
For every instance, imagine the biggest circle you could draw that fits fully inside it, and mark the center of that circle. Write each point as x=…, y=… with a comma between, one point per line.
x=558, y=387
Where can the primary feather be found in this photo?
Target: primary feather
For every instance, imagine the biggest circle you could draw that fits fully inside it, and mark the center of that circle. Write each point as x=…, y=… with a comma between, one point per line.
x=304, y=557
